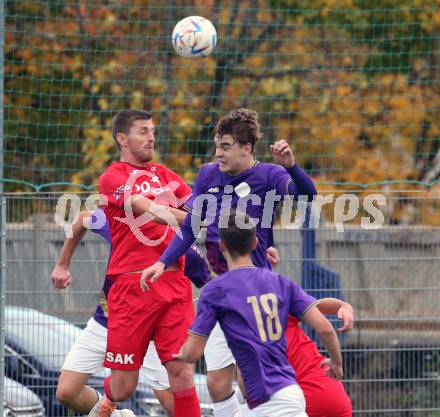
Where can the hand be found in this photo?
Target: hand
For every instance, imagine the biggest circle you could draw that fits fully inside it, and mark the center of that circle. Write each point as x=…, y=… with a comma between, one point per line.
x=282, y=154
x=273, y=256
x=151, y=274
x=345, y=313
x=61, y=277
x=332, y=370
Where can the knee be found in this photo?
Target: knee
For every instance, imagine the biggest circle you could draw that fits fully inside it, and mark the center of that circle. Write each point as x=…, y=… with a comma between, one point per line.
x=181, y=375
x=65, y=395
x=123, y=390
x=219, y=387
x=120, y=394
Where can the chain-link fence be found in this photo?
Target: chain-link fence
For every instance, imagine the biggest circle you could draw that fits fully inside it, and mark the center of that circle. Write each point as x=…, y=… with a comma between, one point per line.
x=353, y=85
x=389, y=274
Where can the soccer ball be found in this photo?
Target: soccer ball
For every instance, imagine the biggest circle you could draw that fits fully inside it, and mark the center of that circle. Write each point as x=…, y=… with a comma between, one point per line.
x=194, y=37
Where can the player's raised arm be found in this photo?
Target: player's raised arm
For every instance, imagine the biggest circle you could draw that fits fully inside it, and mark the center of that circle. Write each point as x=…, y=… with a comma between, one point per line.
x=324, y=329
x=295, y=181
x=282, y=154
x=273, y=256
x=61, y=277
x=343, y=309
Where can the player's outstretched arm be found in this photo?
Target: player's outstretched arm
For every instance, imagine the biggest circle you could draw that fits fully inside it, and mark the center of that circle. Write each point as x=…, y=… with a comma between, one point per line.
x=343, y=309
x=61, y=277
x=192, y=350
x=315, y=319
x=177, y=247
x=161, y=214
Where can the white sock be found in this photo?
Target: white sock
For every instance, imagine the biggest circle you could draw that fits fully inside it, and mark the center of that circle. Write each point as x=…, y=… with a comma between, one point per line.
x=227, y=408
x=97, y=401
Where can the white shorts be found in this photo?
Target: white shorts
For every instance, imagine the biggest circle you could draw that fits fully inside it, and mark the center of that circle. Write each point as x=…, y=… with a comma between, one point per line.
x=87, y=356
x=287, y=402
x=217, y=352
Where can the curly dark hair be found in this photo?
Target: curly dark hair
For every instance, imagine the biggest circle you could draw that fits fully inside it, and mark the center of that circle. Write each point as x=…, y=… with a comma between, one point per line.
x=242, y=125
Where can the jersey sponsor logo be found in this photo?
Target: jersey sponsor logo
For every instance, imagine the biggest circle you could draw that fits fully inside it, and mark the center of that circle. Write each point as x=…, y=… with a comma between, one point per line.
x=243, y=189
x=146, y=188
x=143, y=187
x=160, y=190
x=121, y=190
x=213, y=190
x=155, y=179
x=124, y=359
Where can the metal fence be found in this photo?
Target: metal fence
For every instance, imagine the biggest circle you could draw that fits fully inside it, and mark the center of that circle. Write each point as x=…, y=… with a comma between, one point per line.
x=389, y=274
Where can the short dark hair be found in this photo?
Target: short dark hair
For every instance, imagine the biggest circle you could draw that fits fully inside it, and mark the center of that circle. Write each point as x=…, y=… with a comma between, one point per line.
x=242, y=125
x=123, y=121
x=238, y=240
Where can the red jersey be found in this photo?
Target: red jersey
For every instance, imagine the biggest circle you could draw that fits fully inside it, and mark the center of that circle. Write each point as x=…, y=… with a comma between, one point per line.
x=302, y=352
x=325, y=397
x=134, y=246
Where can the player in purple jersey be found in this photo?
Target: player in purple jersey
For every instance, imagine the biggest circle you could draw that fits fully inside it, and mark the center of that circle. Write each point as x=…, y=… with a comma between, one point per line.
x=87, y=354
x=252, y=306
x=237, y=179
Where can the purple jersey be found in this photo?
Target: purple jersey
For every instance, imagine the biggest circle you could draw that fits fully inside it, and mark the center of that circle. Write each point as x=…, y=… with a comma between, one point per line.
x=252, y=192
x=196, y=268
x=252, y=306
x=100, y=226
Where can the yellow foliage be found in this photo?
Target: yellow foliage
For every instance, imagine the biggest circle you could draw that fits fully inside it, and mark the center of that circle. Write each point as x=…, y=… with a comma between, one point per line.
x=347, y=124
x=116, y=88
x=103, y=104
x=136, y=101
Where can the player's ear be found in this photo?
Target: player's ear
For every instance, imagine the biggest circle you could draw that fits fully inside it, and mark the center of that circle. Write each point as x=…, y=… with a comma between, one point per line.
x=121, y=139
x=222, y=246
x=255, y=243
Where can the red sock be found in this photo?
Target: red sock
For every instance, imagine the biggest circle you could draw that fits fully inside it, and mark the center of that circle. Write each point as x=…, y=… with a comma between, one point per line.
x=107, y=391
x=186, y=403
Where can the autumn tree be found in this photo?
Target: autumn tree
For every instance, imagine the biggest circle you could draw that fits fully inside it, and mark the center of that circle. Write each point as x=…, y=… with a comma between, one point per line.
x=353, y=85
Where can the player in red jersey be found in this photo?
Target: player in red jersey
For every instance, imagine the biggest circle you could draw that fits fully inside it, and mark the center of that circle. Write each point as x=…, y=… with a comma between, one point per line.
x=325, y=397
x=164, y=313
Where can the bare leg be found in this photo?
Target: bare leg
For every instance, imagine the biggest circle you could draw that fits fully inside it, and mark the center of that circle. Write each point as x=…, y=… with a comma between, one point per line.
x=73, y=392
x=181, y=376
x=165, y=398
x=220, y=383
x=123, y=384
